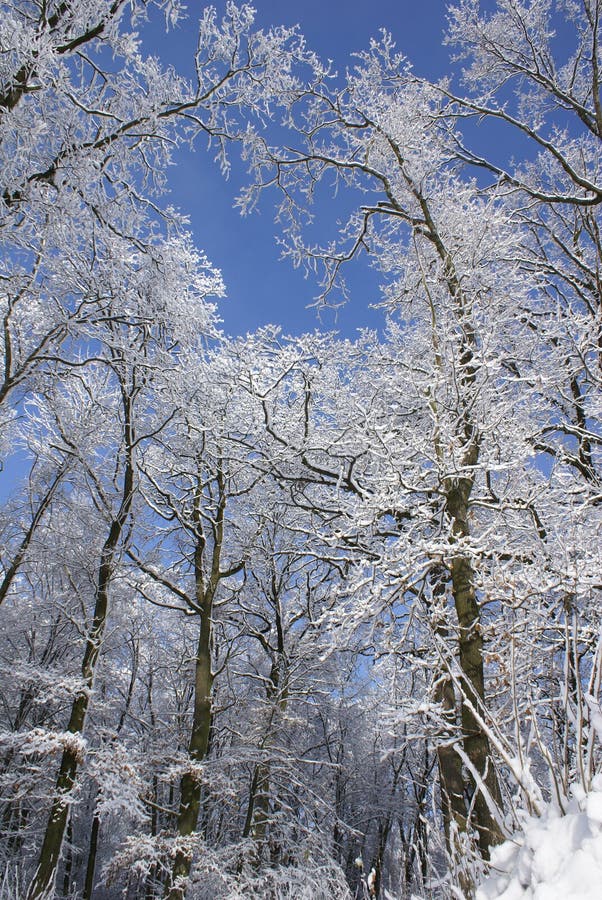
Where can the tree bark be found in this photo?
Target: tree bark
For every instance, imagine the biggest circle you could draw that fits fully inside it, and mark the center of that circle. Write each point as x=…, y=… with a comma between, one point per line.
x=190, y=785
x=50, y=852
x=205, y=589
x=470, y=645
x=258, y=812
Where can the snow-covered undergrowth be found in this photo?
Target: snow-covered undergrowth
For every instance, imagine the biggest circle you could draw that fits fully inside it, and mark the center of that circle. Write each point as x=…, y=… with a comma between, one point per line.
x=555, y=857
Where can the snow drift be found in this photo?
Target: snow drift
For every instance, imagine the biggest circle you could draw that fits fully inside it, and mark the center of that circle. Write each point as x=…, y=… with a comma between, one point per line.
x=556, y=856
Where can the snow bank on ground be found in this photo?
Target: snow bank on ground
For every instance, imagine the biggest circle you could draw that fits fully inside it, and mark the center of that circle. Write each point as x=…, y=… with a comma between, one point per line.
x=555, y=857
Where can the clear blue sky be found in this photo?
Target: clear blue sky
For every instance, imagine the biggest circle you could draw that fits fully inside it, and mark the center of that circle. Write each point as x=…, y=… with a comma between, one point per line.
x=261, y=287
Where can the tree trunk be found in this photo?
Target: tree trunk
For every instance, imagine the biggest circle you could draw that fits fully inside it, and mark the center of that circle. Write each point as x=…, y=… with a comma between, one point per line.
x=50, y=852
x=384, y=829
x=457, y=491
x=69, y=859
x=55, y=829
x=190, y=785
x=95, y=830
x=258, y=812
x=92, y=851
x=451, y=781
x=470, y=646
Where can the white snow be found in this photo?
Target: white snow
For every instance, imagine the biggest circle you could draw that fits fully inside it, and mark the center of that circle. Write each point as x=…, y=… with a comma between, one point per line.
x=554, y=857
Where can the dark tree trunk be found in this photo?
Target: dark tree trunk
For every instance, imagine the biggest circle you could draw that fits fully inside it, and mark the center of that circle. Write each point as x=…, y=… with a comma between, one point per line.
x=470, y=645
x=50, y=852
x=190, y=784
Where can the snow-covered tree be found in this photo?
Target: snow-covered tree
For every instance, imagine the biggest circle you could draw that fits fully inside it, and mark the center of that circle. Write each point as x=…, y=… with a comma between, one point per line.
x=297, y=616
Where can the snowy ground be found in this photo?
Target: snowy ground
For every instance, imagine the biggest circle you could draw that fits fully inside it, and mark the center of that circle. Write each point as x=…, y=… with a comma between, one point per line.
x=555, y=857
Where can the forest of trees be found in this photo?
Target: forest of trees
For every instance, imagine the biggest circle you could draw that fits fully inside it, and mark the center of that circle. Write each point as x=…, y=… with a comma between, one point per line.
x=296, y=617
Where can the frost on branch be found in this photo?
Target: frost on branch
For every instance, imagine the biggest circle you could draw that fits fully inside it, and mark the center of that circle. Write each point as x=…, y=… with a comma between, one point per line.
x=117, y=770
x=229, y=873
x=41, y=742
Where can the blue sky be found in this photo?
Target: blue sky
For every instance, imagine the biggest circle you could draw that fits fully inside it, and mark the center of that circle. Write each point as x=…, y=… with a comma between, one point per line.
x=261, y=287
